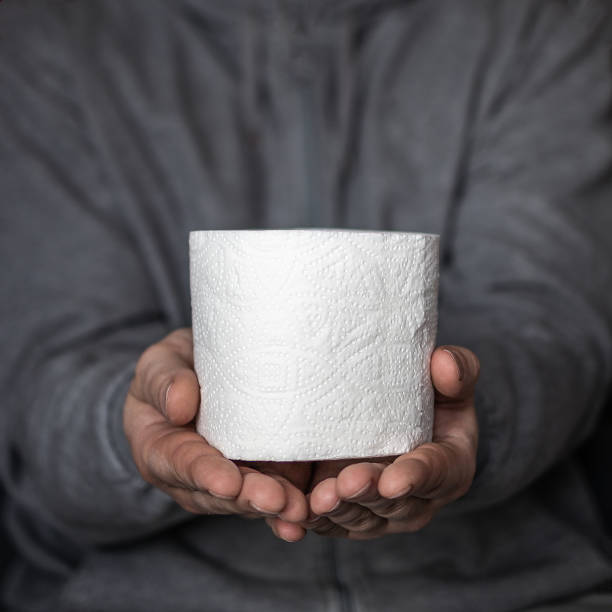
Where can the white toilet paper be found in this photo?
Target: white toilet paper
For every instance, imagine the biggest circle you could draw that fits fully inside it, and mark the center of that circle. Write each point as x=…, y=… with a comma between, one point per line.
x=314, y=344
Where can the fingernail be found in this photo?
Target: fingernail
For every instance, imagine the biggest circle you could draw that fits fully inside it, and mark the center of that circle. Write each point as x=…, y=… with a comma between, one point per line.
x=458, y=362
x=261, y=510
x=403, y=492
x=165, y=407
x=335, y=507
x=219, y=496
x=360, y=492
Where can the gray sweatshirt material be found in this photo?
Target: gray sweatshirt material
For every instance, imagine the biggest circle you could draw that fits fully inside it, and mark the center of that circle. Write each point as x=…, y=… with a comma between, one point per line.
x=123, y=125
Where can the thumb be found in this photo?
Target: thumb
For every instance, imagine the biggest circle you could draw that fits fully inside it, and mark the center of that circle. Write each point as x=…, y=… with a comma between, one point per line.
x=164, y=378
x=454, y=372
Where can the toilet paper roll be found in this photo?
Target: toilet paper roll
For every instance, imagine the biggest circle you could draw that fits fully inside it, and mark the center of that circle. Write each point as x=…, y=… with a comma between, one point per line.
x=314, y=344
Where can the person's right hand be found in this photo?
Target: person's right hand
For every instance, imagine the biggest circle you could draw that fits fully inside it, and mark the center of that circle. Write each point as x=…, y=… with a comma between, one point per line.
x=158, y=420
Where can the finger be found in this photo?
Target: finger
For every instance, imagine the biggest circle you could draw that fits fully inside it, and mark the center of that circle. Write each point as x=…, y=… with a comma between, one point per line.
x=455, y=422
x=199, y=502
x=182, y=458
x=351, y=487
x=321, y=525
x=357, y=486
x=402, y=509
x=165, y=379
x=358, y=482
x=293, y=476
x=296, y=508
x=354, y=517
x=181, y=342
x=324, y=497
x=176, y=456
x=182, y=397
x=290, y=532
x=454, y=372
x=261, y=493
x=433, y=470
x=411, y=525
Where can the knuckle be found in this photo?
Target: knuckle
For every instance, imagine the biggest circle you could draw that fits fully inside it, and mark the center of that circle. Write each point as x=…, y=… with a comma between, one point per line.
x=150, y=355
x=365, y=523
x=156, y=461
x=397, y=510
x=177, y=455
x=150, y=377
x=179, y=340
x=378, y=505
x=424, y=460
x=201, y=502
x=186, y=458
x=155, y=465
x=143, y=460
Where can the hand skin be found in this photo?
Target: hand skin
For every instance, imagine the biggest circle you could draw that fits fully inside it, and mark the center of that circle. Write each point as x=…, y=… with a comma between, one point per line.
x=364, y=499
x=158, y=420
x=158, y=416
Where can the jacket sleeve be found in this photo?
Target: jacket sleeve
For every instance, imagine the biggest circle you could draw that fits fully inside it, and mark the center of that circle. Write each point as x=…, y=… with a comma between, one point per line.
x=528, y=277
x=77, y=306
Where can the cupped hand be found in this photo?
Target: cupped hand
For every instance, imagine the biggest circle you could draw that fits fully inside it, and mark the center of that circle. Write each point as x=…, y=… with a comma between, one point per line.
x=158, y=420
x=362, y=499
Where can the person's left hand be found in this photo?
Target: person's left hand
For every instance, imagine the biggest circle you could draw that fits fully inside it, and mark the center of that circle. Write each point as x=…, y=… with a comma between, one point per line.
x=362, y=499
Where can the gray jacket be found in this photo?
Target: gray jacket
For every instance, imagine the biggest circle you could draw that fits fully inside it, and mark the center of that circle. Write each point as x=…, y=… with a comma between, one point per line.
x=124, y=125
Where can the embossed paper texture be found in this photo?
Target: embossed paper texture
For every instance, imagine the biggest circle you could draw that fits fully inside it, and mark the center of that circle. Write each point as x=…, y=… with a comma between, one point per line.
x=314, y=344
